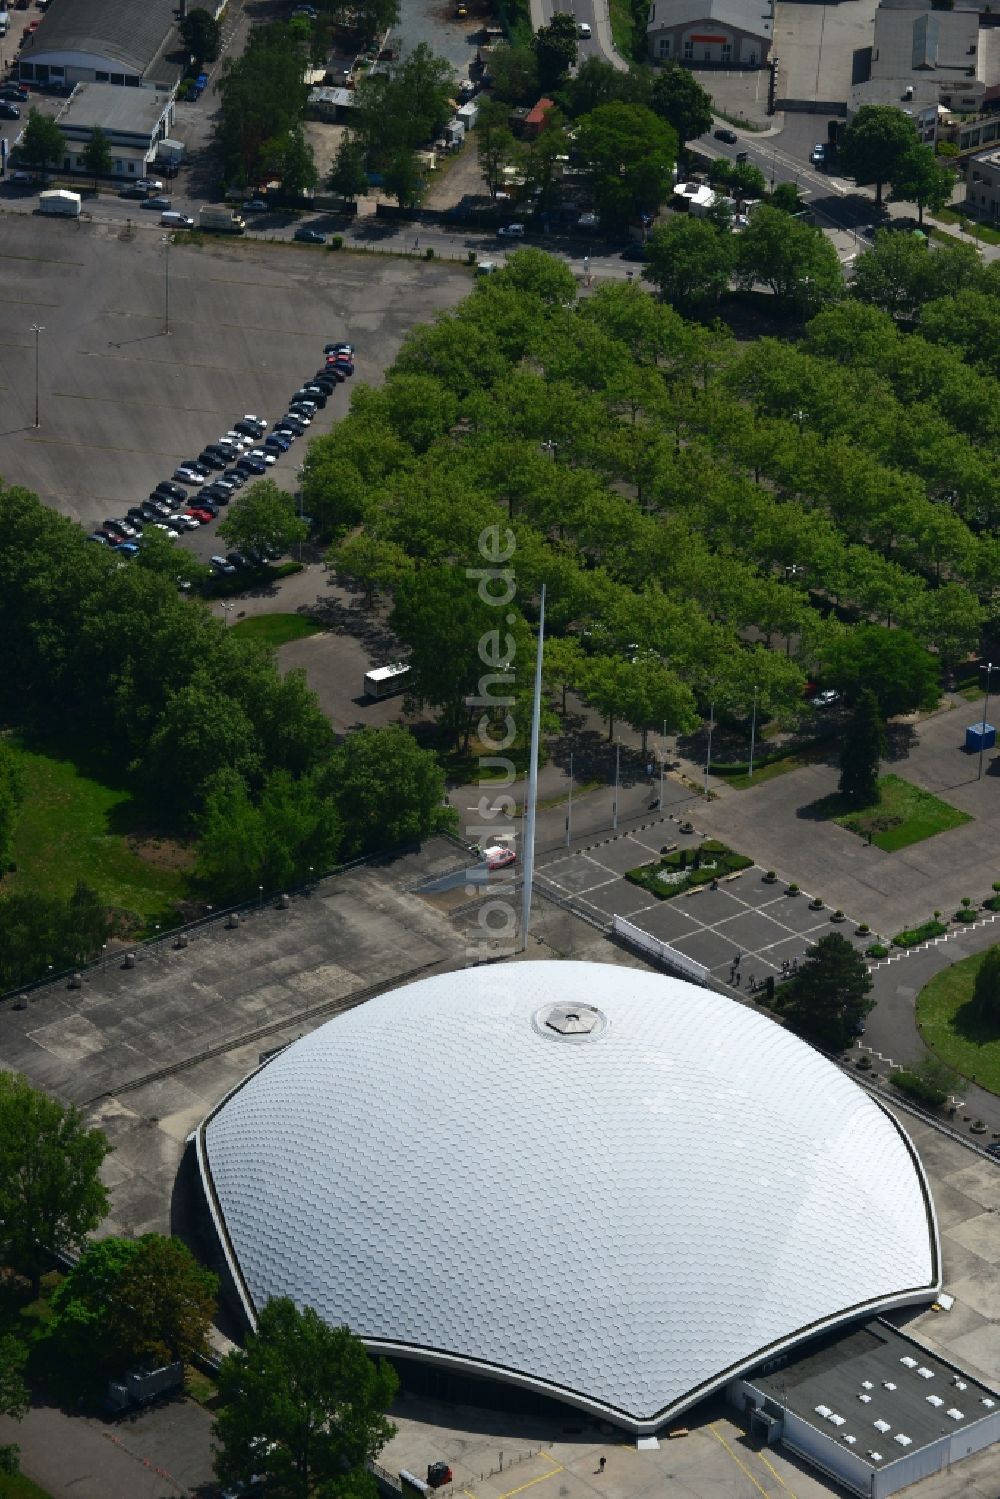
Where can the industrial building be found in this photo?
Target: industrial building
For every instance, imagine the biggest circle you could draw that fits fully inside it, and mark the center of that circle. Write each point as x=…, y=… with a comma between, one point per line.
x=127, y=43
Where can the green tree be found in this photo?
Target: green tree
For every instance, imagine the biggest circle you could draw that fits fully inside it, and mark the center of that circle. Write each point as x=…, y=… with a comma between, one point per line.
x=376, y=563
x=303, y=1406
x=263, y=516
x=986, y=991
x=349, y=177
x=901, y=674
x=398, y=113
x=402, y=179
x=920, y=178
x=630, y=154
x=130, y=1301
x=495, y=140
x=11, y=797
x=533, y=273
x=301, y=828
x=894, y=274
x=875, y=143
x=679, y=98
x=689, y=261
x=514, y=71
x=230, y=852
x=14, y=1399
x=42, y=143
x=741, y=179
x=160, y=554
x=389, y=790
x=555, y=51
x=97, y=154
x=198, y=726
x=598, y=82
x=797, y=262
x=828, y=998
x=51, y=1194
x=786, y=197
x=290, y=158
x=201, y=35
x=263, y=97
x=861, y=749
x=372, y=18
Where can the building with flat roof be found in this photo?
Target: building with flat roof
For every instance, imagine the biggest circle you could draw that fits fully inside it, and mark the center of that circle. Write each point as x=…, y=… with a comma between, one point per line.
x=873, y=1408
x=924, y=61
x=134, y=120
x=982, y=186
x=579, y=1182
x=711, y=33
x=126, y=43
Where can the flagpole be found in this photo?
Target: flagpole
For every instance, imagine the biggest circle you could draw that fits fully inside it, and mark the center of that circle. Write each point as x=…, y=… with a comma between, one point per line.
x=532, y=798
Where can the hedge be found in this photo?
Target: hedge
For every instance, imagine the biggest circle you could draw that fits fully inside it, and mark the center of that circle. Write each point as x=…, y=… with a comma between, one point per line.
x=917, y=1088
x=917, y=934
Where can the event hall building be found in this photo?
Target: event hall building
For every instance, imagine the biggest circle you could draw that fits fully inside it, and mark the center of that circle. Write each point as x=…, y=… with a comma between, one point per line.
x=570, y=1182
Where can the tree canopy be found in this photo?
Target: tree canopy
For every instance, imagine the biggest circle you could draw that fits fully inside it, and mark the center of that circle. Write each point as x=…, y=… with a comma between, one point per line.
x=42, y=143
x=263, y=516
x=630, y=153
x=677, y=97
x=875, y=144
x=827, y=999
x=303, y=1407
x=555, y=49
x=689, y=261
x=51, y=1194
x=201, y=35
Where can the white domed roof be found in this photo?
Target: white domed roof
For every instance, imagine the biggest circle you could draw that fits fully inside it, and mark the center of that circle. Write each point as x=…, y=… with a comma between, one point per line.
x=610, y=1185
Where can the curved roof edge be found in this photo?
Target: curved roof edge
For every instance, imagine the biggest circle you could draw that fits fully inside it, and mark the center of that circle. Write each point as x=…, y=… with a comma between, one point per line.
x=625, y=1420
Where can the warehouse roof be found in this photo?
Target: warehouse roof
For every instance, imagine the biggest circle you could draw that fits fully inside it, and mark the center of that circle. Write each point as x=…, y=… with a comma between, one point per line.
x=128, y=32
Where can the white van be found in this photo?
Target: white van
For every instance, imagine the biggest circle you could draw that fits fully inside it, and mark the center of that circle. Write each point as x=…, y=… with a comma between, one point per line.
x=171, y=219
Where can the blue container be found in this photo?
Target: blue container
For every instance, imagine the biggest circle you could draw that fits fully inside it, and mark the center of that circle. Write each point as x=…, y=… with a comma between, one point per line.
x=980, y=736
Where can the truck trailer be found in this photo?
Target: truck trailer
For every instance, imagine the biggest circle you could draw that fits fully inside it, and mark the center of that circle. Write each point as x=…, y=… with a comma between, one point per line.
x=221, y=220
x=58, y=201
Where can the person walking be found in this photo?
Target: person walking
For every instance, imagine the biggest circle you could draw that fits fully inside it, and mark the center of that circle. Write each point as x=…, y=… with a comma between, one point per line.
x=600, y=1464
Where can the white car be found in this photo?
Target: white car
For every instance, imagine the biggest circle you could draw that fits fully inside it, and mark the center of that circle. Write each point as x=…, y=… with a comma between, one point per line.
x=511, y=231
x=818, y=155
x=301, y=415
x=248, y=416
x=234, y=439
x=264, y=455
x=583, y=30
x=825, y=699
x=188, y=476
x=187, y=522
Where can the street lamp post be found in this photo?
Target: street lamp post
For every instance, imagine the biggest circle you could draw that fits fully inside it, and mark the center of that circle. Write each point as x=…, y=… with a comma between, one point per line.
x=166, y=282
x=36, y=329
x=569, y=804
x=753, y=732
x=663, y=757
x=708, y=755
x=986, y=708
x=614, y=810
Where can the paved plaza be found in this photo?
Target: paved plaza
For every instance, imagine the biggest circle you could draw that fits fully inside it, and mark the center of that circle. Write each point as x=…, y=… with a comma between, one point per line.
x=745, y=916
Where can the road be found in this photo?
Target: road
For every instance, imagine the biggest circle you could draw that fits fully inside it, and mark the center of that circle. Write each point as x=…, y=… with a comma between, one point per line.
x=595, y=14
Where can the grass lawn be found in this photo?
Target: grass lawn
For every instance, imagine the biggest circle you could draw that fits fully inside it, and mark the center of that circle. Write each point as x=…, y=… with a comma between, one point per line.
x=73, y=828
x=623, y=28
x=946, y=1028
x=276, y=629
x=20, y=1487
x=983, y=231
x=921, y=814
x=740, y=780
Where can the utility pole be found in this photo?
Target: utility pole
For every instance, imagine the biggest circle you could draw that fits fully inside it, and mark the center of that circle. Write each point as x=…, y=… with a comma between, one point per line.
x=708, y=756
x=36, y=329
x=569, y=804
x=614, y=810
x=988, y=668
x=753, y=732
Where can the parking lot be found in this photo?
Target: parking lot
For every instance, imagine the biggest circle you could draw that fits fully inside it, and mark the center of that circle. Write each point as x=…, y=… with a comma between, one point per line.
x=121, y=403
x=744, y=916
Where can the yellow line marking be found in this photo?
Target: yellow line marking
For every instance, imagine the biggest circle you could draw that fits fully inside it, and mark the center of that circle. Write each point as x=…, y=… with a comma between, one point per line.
x=558, y=1468
x=743, y=1469
x=775, y=1472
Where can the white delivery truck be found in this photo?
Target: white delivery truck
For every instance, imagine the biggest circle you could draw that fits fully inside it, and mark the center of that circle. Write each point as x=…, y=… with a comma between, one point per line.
x=58, y=201
x=386, y=681
x=222, y=220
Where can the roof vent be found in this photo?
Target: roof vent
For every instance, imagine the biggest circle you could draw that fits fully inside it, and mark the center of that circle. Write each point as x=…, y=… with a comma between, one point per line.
x=569, y=1022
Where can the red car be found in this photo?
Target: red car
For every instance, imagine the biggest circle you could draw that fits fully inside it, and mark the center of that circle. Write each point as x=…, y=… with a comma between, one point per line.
x=203, y=515
x=499, y=857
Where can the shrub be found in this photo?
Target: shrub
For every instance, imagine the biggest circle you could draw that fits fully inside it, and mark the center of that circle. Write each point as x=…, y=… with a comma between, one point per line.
x=863, y=929
x=918, y=1088
x=687, y=868
x=770, y=877
x=815, y=904
x=863, y=1064
x=336, y=242
x=838, y=915
x=966, y=900
x=965, y=913
x=876, y=950
x=470, y=259
x=792, y=889
x=913, y=936
x=429, y=253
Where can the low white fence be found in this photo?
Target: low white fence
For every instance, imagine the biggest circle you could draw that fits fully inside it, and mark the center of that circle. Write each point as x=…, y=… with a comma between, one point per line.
x=634, y=936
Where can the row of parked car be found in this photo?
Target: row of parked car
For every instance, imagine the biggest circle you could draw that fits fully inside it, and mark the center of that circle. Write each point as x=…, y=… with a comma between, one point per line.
x=223, y=467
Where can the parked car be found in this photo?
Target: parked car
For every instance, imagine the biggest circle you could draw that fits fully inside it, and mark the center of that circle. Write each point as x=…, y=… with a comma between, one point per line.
x=9, y=111
x=340, y=348
x=825, y=699
x=290, y=423
x=251, y=465
x=127, y=549
x=234, y=438
x=309, y=237
x=210, y=459
x=583, y=31
x=237, y=559
x=326, y=382
x=157, y=201
x=511, y=231
x=729, y=136
x=250, y=428
x=222, y=566
x=96, y=536
x=310, y=394
x=343, y=363
x=307, y=401
x=16, y=92
x=332, y=372
x=170, y=490
x=499, y=857
x=277, y=442
x=818, y=155
x=199, y=516
x=263, y=455
x=135, y=515
x=301, y=413
x=174, y=220
x=236, y=477
x=254, y=205
x=258, y=421
x=188, y=475
x=186, y=520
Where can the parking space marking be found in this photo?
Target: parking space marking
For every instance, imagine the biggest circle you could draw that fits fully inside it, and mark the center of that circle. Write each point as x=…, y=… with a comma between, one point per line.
x=742, y=1466
x=773, y=1469
x=542, y=1477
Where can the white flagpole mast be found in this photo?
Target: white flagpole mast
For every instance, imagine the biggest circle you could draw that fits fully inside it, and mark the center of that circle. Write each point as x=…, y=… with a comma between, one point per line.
x=532, y=797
